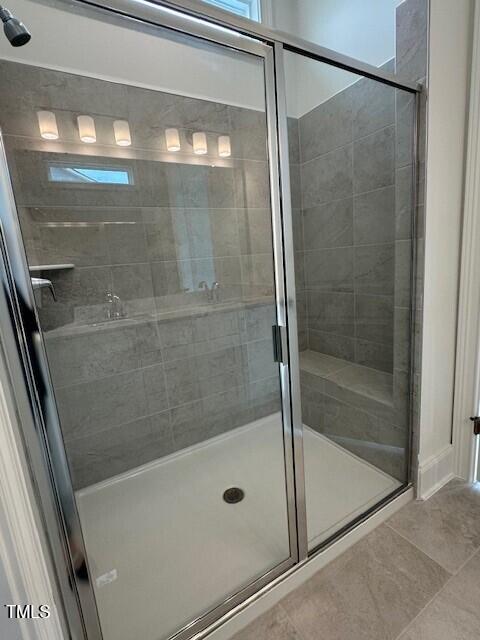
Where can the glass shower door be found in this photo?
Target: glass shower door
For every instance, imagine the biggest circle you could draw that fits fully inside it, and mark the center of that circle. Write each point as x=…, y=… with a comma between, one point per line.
x=143, y=196
x=351, y=167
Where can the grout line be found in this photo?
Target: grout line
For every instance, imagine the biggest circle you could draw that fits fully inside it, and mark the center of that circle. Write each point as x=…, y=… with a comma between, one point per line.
x=162, y=362
x=352, y=246
x=417, y=547
x=92, y=434
x=340, y=335
x=353, y=195
x=435, y=597
x=351, y=144
x=427, y=554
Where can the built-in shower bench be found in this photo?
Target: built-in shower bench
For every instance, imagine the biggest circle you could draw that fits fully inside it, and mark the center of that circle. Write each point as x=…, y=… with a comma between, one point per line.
x=372, y=385
x=356, y=407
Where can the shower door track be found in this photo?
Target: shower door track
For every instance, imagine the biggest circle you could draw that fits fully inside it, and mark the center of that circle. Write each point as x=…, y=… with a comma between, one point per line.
x=25, y=347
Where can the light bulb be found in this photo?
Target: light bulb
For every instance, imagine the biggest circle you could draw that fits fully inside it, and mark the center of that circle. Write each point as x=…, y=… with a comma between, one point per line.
x=86, y=129
x=121, y=129
x=172, y=139
x=224, y=147
x=199, y=143
x=47, y=123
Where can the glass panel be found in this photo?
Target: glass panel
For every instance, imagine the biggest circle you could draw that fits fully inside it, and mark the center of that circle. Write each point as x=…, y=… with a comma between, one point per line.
x=351, y=179
x=159, y=340
x=384, y=33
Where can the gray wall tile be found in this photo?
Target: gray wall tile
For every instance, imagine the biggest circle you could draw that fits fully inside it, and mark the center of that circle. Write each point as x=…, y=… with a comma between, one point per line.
x=329, y=225
x=374, y=355
x=373, y=161
x=374, y=318
x=333, y=345
x=326, y=127
x=99, y=404
x=373, y=106
x=374, y=216
x=332, y=312
x=329, y=269
x=412, y=39
x=99, y=456
x=327, y=178
x=374, y=269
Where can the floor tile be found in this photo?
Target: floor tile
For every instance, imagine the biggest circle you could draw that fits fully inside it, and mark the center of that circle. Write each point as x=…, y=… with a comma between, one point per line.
x=446, y=527
x=372, y=592
x=454, y=614
x=272, y=625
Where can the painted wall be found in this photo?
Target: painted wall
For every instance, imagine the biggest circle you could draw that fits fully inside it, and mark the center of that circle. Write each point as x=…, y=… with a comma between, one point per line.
x=363, y=30
x=449, y=69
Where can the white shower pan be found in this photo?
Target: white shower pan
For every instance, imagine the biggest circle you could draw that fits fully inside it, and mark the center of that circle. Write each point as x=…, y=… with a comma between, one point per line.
x=163, y=543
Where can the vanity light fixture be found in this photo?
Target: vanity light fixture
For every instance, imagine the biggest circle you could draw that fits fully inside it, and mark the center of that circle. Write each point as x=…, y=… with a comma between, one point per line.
x=224, y=146
x=86, y=129
x=47, y=123
x=199, y=143
x=172, y=138
x=121, y=129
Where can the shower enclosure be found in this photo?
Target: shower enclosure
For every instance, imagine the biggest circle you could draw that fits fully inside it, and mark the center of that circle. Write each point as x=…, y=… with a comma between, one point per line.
x=208, y=261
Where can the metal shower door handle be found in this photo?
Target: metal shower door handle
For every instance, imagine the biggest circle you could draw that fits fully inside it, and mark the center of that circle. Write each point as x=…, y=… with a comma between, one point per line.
x=279, y=343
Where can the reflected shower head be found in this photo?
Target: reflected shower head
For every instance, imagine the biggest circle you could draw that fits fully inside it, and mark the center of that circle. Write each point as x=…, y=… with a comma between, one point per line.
x=16, y=32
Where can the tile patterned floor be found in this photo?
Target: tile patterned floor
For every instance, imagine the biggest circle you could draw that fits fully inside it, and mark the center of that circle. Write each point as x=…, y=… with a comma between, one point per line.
x=416, y=577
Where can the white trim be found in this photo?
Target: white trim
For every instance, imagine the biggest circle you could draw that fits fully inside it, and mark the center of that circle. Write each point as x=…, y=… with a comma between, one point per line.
x=302, y=573
x=253, y=7
x=21, y=549
x=435, y=472
x=266, y=13
x=466, y=398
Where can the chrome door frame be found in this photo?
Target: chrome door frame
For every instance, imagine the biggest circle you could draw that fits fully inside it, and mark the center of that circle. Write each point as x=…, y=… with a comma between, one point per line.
x=253, y=29
x=44, y=440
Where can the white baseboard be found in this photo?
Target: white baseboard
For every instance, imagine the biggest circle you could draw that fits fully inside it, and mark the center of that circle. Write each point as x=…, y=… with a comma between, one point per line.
x=300, y=574
x=435, y=472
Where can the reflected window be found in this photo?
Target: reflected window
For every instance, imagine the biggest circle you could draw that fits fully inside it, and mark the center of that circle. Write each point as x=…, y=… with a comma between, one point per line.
x=245, y=8
x=89, y=175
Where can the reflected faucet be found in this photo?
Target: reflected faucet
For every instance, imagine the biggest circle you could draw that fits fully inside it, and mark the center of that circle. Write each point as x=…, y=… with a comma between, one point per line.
x=115, y=309
x=43, y=283
x=211, y=292
x=215, y=291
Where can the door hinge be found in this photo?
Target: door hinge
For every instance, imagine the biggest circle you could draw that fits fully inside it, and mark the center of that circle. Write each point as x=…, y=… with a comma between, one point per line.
x=277, y=338
x=476, y=425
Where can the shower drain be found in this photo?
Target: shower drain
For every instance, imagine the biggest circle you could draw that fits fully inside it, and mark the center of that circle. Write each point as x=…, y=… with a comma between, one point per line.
x=233, y=495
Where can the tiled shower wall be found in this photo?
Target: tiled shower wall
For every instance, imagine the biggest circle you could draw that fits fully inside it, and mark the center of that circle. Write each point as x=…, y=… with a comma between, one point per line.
x=345, y=225
x=412, y=64
x=177, y=369
x=351, y=187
